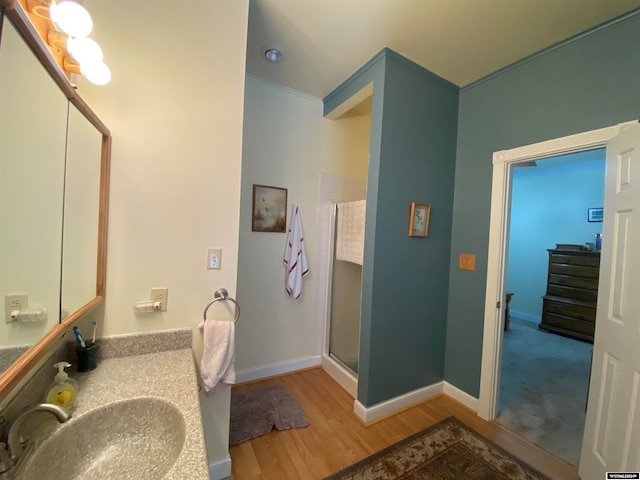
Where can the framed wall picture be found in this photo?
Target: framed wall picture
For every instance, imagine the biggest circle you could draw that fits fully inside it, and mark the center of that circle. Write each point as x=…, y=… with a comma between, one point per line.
x=269, y=209
x=419, y=219
x=595, y=214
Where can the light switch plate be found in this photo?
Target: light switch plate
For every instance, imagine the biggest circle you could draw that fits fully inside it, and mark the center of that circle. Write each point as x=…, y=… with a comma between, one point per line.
x=467, y=262
x=214, y=258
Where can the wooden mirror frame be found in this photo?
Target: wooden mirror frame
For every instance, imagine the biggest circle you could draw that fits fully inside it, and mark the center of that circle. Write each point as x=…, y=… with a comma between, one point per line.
x=11, y=378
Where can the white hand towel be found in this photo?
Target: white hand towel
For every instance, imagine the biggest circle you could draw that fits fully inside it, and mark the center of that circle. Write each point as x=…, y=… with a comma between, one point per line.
x=350, y=231
x=295, y=258
x=217, y=367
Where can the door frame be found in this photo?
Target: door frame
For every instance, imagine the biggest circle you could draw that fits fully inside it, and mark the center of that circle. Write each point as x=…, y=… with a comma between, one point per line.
x=503, y=162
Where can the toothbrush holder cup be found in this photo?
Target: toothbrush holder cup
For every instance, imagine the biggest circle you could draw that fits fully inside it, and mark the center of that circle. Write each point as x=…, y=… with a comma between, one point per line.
x=87, y=357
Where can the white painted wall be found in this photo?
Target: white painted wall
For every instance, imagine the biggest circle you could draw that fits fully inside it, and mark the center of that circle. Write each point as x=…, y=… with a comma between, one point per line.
x=175, y=108
x=287, y=144
x=548, y=206
x=175, y=112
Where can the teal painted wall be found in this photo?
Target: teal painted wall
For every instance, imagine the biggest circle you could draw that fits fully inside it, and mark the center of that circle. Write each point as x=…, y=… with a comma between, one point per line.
x=587, y=84
x=407, y=324
x=404, y=298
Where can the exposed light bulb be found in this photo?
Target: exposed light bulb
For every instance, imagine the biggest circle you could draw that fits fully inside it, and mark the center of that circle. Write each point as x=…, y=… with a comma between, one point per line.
x=84, y=50
x=96, y=72
x=72, y=18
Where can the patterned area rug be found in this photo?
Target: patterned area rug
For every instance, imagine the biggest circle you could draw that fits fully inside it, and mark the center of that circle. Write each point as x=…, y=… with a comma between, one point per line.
x=258, y=410
x=446, y=451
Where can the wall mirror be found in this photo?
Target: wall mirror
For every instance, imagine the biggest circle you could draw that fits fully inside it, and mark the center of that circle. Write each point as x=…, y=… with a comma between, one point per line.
x=54, y=169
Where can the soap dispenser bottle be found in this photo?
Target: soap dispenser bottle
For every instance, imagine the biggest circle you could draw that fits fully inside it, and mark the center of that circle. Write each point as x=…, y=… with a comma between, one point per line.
x=63, y=390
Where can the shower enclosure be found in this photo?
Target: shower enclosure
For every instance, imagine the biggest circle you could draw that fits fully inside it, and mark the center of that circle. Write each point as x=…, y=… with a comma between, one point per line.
x=346, y=287
x=344, y=322
x=340, y=281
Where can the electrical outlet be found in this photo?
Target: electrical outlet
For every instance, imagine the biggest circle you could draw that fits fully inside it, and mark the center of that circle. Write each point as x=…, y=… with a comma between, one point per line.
x=15, y=301
x=160, y=295
x=214, y=258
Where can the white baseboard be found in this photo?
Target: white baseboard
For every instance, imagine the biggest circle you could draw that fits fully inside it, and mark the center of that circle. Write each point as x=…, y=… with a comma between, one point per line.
x=277, y=368
x=389, y=407
x=340, y=375
x=527, y=317
x=220, y=469
x=394, y=405
x=462, y=397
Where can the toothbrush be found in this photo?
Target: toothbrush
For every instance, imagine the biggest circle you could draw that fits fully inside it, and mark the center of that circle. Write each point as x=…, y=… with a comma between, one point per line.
x=79, y=338
x=95, y=326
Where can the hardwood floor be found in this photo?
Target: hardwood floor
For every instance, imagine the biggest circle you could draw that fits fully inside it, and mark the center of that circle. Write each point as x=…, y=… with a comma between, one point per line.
x=336, y=438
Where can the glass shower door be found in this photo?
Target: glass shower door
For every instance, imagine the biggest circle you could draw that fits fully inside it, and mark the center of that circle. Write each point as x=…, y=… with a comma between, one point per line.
x=344, y=326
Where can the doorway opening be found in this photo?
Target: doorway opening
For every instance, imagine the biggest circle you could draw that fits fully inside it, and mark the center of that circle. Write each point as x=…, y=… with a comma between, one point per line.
x=342, y=203
x=552, y=274
x=503, y=163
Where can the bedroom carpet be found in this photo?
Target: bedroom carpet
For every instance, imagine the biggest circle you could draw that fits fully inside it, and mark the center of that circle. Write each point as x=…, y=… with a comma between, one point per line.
x=543, y=388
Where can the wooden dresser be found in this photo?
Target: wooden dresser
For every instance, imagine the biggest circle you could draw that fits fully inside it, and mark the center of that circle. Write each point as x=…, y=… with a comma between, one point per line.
x=569, y=307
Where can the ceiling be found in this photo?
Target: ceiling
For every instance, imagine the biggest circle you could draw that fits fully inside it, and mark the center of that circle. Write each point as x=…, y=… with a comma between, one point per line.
x=325, y=41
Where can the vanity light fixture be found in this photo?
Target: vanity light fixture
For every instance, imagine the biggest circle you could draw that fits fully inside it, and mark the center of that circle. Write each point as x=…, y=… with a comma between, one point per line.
x=81, y=56
x=71, y=18
x=68, y=25
x=96, y=72
x=80, y=50
x=84, y=50
x=273, y=55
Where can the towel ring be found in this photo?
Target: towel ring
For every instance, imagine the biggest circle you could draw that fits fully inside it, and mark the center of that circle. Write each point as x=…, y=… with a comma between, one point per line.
x=222, y=295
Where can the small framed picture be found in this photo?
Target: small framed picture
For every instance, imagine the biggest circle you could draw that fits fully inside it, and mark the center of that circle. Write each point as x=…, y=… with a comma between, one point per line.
x=419, y=219
x=269, y=211
x=595, y=214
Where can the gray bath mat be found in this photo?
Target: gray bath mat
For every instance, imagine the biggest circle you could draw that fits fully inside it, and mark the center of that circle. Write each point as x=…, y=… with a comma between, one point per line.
x=258, y=410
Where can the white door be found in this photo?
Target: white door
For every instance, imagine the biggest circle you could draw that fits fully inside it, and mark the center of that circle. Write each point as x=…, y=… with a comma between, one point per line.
x=612, y=431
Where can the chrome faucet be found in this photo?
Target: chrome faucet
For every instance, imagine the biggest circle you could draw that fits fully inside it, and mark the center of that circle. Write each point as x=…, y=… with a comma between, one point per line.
x=16, y=441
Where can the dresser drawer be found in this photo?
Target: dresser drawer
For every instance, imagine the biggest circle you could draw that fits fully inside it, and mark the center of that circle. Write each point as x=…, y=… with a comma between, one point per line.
x=571, y=326
x=574, y=270
x=577, y=282
x=568, y=309
x=586, y=295
x=589, y=261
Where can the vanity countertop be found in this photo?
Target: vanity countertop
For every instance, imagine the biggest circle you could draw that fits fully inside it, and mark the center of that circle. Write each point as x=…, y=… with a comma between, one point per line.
x=168, y=375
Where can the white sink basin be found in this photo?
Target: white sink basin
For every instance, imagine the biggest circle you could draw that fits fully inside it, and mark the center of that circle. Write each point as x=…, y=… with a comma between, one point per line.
x=138, y=438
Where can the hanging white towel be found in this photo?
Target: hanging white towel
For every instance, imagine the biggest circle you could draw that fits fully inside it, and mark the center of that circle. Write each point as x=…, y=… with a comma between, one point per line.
x=295, y=258
x=350, y=231
x=217, y=367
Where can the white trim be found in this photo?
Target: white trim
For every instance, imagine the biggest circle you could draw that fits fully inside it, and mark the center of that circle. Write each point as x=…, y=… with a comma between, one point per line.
x=559, y=146
x=462, y=397
x=352, y=101
x=340, y=375
x=277, y=368
x=498, y=230
x=393, y=405
x=220, y=469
